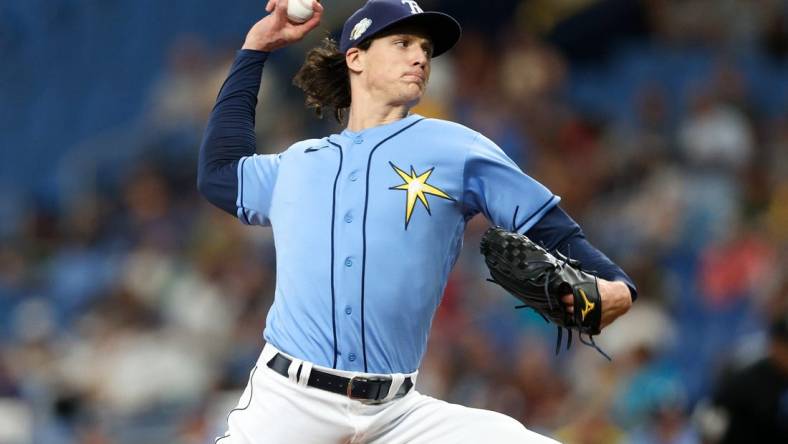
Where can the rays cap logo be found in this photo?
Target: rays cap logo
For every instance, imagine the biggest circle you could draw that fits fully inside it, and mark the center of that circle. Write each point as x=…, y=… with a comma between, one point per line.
x=377, y=16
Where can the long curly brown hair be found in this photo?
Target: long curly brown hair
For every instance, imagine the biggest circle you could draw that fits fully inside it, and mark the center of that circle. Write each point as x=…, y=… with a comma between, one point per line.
x=325, y=80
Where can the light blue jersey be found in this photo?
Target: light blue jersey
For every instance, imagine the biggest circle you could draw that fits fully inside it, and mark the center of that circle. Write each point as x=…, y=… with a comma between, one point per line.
x=367, y=227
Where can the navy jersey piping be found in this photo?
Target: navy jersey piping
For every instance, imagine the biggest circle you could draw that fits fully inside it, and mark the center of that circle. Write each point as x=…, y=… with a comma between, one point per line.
x=550, y=199
x=333, y=216
x=241, y=186
x=364, y=239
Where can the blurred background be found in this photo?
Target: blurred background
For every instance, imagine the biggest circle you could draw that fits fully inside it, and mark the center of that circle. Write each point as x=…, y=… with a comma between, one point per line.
x=131, y=311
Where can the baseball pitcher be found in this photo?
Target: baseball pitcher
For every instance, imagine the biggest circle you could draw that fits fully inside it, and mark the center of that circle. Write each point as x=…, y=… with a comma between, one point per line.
x=367, y=225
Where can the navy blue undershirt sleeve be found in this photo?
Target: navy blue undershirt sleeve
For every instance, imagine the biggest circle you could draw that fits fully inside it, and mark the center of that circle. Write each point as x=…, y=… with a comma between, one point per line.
x=557, y=231
x=230, y=134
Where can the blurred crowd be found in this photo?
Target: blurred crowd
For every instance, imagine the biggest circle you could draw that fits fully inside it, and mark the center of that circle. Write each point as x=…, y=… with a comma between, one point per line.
x=132, y=311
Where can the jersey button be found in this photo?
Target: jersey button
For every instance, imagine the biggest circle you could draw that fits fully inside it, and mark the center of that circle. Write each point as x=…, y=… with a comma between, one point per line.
x=351, y=357
x=348, y=310
x=348, y=218
x=353, y=177
x=348, y=262
x=358, y=140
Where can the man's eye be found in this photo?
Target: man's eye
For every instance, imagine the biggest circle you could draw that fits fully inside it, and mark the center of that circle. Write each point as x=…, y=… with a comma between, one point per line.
x=402, y=43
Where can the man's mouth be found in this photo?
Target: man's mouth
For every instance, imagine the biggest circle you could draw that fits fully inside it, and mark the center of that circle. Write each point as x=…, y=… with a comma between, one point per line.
x=414, y=76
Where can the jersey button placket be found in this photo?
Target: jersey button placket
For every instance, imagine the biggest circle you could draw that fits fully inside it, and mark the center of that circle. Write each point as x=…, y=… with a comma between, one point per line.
x=350, y=204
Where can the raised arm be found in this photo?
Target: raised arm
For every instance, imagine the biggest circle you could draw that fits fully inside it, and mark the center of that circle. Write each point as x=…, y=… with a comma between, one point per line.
x=229, y=135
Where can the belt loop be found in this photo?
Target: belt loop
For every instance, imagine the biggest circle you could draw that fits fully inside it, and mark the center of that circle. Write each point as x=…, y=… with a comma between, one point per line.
x=306, y=370
x=292, y=371
x=396, y=383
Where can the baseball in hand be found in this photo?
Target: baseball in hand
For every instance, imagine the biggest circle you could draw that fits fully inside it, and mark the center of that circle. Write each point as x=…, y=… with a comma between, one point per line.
x=299, y=11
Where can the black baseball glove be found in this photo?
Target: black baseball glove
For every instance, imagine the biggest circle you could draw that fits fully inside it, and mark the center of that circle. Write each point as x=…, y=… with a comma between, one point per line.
x=539, y=279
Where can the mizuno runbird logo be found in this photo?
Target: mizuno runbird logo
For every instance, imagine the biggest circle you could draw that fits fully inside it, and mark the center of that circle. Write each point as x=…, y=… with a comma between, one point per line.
x=589, y=305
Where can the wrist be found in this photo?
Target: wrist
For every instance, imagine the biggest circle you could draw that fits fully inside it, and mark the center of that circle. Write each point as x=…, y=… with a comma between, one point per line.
x=616, y=297
x=261, y=39
x=620, y=294
x=262, y=46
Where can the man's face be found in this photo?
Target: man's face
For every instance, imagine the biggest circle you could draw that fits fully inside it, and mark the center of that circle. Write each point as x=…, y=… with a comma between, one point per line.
x=396, y=67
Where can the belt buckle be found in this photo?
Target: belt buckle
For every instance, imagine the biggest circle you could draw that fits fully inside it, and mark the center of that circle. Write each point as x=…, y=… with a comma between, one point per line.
x=349, y=391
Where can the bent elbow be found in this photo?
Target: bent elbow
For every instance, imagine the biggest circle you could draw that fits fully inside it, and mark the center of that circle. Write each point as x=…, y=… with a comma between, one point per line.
x=219, y=187
x=202, y=183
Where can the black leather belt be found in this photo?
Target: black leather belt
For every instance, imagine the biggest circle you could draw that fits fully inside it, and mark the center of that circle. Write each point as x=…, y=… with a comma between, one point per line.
x=358, y=387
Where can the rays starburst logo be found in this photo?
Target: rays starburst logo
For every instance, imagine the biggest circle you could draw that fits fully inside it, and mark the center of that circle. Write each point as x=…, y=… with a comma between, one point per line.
x=417, y=189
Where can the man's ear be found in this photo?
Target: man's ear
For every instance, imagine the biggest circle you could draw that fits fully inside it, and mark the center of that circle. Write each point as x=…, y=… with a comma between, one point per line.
x=354, y=58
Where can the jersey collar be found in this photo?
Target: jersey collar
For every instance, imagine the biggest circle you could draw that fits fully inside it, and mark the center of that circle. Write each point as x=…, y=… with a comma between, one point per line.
x=374, y=134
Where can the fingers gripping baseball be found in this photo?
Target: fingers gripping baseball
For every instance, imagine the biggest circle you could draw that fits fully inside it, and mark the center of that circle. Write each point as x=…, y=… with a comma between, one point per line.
x=275, y=30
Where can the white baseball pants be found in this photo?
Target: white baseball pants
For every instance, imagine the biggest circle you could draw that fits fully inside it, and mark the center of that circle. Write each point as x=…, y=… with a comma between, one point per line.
x=274, y=409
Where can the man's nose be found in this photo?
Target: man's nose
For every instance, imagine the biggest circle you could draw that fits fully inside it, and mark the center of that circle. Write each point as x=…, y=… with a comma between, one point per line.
x=420, y=58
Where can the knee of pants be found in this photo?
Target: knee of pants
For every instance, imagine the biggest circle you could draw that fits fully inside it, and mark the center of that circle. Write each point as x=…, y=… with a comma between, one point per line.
x=506, y=429
x=506, y=425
